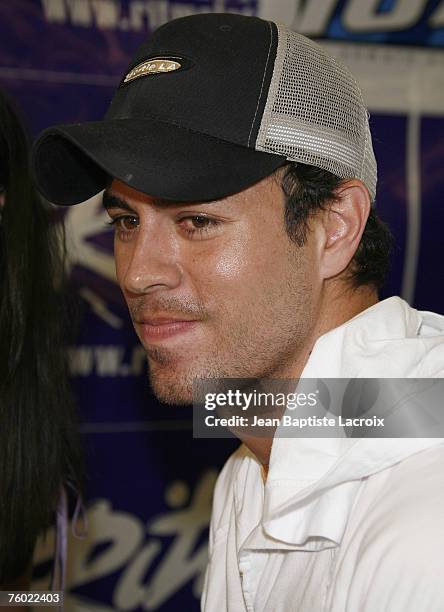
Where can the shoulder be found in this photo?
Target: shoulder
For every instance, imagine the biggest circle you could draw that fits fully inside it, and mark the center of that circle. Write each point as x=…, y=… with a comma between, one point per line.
x=414, y=491
x=399, y=562
x=404, y=538
x=409, y=510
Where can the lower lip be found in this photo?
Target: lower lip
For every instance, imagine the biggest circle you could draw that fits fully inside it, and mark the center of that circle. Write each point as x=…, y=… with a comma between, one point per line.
x=165, y=330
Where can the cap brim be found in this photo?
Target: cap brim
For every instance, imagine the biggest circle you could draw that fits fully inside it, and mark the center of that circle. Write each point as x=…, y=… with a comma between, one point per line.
x=72, y=163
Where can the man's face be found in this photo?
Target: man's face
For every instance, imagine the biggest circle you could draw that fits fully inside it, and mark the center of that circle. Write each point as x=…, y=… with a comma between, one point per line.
x=214, y=289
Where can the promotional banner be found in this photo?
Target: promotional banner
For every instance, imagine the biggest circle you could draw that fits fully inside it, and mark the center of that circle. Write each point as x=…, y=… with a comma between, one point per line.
x=150, y=483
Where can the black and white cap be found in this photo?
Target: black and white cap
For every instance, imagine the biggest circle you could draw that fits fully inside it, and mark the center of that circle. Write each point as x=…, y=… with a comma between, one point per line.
x=211, y=104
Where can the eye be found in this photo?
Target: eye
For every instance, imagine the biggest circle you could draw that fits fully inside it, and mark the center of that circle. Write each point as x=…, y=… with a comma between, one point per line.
x=125, y=222
x=199, y=225
x=124, y=225
x=200, y=221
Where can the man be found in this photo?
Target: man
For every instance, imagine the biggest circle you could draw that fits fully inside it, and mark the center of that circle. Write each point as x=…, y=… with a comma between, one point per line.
x=240, y=178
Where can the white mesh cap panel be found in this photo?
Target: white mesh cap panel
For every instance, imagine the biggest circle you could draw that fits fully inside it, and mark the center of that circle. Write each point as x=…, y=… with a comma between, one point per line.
x=315, y=113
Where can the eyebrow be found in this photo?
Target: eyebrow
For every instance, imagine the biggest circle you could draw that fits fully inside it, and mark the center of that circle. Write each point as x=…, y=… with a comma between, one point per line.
x=110, y=200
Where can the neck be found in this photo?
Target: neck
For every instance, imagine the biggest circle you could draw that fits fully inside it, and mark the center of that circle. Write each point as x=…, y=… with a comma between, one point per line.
x=335, y=309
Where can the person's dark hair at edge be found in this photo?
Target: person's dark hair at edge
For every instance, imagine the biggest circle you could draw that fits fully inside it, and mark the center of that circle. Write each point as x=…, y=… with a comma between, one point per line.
x=309, y=189
x=39, y=443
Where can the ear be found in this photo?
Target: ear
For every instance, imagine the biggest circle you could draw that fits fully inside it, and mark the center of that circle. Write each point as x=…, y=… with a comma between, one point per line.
x=343, y=225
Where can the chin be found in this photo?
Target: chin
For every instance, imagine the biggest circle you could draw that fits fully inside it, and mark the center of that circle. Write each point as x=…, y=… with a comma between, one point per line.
x=172, y=394
x=171, y=387
x=172, y=377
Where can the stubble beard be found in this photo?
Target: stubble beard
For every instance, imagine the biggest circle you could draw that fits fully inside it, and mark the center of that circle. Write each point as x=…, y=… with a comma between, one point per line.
x=260, y=349
x=172, y=382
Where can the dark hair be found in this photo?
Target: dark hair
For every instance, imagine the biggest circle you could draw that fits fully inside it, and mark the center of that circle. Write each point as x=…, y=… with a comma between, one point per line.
x=39, y=446
x=309, y=189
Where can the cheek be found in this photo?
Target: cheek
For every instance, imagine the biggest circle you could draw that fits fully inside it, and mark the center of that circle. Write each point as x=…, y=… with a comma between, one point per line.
x=229, y=263
x=243, y=271
x=122, y=257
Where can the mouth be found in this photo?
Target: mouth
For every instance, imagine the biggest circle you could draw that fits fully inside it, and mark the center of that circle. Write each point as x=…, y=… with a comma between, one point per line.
x=153, y=330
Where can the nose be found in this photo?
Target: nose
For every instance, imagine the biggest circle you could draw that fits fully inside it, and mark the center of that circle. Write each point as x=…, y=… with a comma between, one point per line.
x=153, y=263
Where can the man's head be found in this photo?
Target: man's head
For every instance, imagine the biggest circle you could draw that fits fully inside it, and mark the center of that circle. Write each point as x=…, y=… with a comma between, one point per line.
x=240, y=174
x=235, y=287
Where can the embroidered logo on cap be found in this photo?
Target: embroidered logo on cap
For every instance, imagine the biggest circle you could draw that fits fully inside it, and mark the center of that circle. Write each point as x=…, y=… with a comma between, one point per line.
x=156, y=65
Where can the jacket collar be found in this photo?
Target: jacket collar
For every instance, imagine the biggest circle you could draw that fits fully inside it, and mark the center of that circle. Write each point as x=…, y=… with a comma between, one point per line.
x=313, y=483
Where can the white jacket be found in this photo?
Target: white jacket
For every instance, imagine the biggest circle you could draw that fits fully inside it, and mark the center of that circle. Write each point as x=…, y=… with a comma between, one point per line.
x=341, y=525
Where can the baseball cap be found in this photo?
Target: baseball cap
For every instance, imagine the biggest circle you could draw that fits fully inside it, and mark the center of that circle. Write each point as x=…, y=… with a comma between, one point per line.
x=211, y=104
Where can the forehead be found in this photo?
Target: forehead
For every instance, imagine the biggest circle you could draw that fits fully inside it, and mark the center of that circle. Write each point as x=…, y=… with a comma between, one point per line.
x=264, y=190
x=124, y=192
